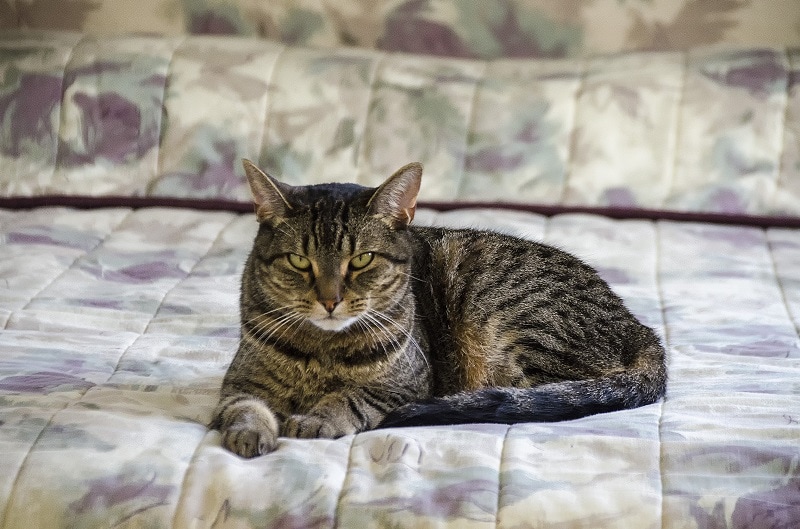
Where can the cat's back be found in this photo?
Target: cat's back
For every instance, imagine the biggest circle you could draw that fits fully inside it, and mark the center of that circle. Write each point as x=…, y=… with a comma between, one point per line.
x=484, y=256
x=512, y=298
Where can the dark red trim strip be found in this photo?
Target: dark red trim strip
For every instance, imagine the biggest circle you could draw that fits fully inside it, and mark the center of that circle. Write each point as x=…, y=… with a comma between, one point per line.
x=739, y=219
x=87, y=202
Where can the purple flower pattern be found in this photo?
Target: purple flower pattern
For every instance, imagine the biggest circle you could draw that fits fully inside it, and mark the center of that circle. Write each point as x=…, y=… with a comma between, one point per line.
x=119, y=323
x=129, y=388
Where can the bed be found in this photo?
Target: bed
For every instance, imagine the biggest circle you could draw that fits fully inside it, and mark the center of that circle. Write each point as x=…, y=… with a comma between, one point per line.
x=125, y=222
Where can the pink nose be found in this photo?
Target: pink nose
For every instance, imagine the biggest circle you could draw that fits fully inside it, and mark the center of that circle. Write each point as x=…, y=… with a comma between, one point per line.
x=329, y=304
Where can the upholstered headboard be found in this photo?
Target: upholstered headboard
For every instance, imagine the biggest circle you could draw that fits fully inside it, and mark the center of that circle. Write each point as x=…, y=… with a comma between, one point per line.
x=485, y=29
x=170, y=117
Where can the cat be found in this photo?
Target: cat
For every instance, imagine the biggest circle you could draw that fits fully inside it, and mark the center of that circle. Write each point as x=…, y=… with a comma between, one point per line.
x=354, y=319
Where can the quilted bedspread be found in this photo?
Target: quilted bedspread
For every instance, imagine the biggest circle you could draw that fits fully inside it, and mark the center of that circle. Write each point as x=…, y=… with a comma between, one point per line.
x=119, y=324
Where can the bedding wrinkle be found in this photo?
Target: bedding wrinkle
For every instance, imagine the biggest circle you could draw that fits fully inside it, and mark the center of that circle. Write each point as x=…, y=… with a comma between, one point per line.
x=261, y=156
x=163, y=119
x=501, y=470
x=364, y=154
x=62, y=108
x=572, y=142
x=675, y=136
x=470, y=128
x=340, y=500
x=361, y=155
x=781, y=134
x=179, y=505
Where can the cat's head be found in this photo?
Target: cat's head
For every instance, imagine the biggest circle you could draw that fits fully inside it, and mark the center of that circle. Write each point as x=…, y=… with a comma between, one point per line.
x=334, y=254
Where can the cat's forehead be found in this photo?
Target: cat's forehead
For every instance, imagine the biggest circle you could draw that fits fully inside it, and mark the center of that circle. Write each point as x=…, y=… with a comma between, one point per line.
x=330, y=218
x=326, y=204
x=327, y=194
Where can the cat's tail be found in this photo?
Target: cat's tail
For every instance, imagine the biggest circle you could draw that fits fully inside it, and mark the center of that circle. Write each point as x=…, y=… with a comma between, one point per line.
x=641, y=383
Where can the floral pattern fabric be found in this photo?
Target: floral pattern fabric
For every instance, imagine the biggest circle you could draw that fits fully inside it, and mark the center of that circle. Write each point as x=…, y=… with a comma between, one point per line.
x=702, y=131
x=119, y=325
x=485, y=29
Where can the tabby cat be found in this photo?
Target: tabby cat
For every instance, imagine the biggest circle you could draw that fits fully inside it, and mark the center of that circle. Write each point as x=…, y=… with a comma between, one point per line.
x=352, y=319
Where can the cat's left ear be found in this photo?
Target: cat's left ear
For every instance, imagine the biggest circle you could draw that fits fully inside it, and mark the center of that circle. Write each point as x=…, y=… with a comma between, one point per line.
x=395, y=201
x=269, y=195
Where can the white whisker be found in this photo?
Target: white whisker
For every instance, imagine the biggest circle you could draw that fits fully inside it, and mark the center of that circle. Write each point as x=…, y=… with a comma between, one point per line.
x=267, y=324
x=380, y=327
x=413, y=277
x=403, y=330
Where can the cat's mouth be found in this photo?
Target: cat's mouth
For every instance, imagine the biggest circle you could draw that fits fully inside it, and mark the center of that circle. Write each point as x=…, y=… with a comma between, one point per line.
x=332, y=322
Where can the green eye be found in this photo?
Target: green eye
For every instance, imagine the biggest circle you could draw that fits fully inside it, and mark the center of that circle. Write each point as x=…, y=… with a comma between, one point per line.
x=360, y=261
x=299, y=262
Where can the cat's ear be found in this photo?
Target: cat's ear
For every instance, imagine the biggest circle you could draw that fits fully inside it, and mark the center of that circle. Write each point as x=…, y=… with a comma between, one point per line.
x=269, y=195
x=396, y=199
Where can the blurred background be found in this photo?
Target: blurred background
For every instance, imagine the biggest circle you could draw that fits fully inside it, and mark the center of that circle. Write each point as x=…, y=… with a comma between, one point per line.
x=459, y=28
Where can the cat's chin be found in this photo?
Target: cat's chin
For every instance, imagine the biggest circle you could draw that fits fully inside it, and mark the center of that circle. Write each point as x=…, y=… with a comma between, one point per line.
x=333, y=324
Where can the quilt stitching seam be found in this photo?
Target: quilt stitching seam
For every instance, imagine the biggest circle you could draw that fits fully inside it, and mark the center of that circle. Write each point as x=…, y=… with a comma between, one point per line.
x=68, y=405
x=784, y=120
x=340, y=497
x=500, y=475
x=100, y=243
x=662, y=304
x=149, y=186
x=189, y=273
x=779, y=284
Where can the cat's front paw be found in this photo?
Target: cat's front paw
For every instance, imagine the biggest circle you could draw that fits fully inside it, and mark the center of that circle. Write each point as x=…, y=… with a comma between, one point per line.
x=249, y=429
x=249, y=442
x=316, y=427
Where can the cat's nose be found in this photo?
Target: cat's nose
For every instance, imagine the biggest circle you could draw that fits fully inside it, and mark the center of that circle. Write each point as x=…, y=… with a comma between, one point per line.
x=330, y=304
x=329, y=292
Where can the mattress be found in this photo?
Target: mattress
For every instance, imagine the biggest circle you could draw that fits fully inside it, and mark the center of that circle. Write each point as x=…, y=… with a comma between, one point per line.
x=119, y=324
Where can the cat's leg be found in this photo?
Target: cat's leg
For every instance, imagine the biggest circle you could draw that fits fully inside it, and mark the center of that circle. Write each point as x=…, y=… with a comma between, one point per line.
x=342, y=413
x=249, y=427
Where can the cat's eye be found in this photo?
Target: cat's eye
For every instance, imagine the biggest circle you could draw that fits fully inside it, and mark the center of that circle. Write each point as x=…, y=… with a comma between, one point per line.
x=299, y=262
x=361, y=261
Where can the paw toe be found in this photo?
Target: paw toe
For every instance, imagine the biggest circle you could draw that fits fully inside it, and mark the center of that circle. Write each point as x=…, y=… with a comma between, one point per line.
x=303, y=426
x=249, y=443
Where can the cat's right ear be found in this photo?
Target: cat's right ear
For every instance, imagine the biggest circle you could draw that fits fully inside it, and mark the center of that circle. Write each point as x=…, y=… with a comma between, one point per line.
x=269, y=195
x=396, y=200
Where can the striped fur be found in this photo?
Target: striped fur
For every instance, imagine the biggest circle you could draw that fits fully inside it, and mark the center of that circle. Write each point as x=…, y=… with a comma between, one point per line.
x=439, y=326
